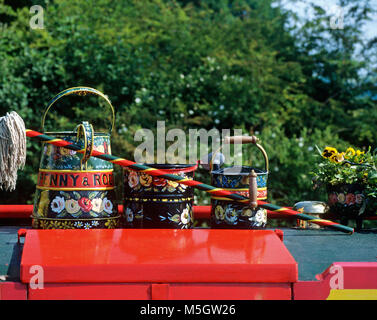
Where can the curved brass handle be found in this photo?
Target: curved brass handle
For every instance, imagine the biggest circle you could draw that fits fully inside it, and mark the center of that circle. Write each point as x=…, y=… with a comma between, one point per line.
x=87, y=130
x=243, y=140
x=79, y=91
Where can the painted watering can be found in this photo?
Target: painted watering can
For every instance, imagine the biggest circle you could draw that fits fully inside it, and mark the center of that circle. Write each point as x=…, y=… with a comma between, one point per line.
x=76, y=191
x=152, y=202
x=244, y=180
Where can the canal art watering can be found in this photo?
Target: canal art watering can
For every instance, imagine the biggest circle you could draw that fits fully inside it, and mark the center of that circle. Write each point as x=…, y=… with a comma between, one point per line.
x=76, y=191
x=153, y=202
x=244, y=180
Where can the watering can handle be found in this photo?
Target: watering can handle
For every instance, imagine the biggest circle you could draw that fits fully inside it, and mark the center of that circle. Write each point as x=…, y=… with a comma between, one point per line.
x=79, y=91
x=253, y=190
x=87, y=131
x=242, y=140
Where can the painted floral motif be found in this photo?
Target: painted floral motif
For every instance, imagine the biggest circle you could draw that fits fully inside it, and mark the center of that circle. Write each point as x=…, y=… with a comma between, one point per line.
x=85, y=204
x=58, y=204
x=59, y=158
x=159, y=182
x=333, y=198
x=172, y=185
x=72, y=206
x=183, y=220
x=231, y=215
x=129, y=215
x=145, y=179
x=97, y=204
x=133, y=179
x=154, y=202
x=238, y=181
x=341, y=197
x=111, y=223
x=350, y=199
x=247, y=212
x=141, y=181
x=66, y=204
x=359, y=198
x=219, y=212
x=260, y=217
x=76, y=224
x=99, y=148
x=185, y=217
x=227, y=214
x=107, y=206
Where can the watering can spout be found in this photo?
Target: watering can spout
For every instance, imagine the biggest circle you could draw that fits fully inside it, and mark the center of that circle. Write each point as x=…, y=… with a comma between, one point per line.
x=216, y=160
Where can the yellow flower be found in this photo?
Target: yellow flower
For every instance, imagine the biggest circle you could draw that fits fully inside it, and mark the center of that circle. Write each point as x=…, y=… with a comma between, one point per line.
x=350, y=152
x=358, y=153
x=337, y=158
x=328, y=152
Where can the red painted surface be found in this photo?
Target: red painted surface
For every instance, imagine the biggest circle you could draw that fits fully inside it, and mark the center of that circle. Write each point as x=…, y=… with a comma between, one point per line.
x=234, y=291
x=340, y=275
x=160, y=291
x=91, y=291
x=158, y=255
x=200, y=212
x=13, y=291
x=15, y=211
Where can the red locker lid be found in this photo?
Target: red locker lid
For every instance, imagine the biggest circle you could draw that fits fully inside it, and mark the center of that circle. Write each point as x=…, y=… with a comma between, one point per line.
x=157, y=255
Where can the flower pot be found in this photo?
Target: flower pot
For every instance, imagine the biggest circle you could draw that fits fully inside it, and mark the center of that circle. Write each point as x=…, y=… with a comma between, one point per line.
x=347, y=200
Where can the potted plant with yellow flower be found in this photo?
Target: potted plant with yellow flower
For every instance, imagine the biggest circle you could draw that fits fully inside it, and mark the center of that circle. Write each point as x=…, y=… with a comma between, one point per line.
x=350, y=178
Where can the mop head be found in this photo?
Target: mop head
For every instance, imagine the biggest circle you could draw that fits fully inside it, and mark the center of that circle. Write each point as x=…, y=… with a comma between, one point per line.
x=12, y=149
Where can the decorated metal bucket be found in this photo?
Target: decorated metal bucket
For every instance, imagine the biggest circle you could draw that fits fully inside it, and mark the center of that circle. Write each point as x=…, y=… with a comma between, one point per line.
x=244, y=180
x=152, y=202
x=74, y=190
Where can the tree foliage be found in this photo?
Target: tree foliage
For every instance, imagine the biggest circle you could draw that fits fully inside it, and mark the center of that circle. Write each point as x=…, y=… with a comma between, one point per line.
x=195, y=64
